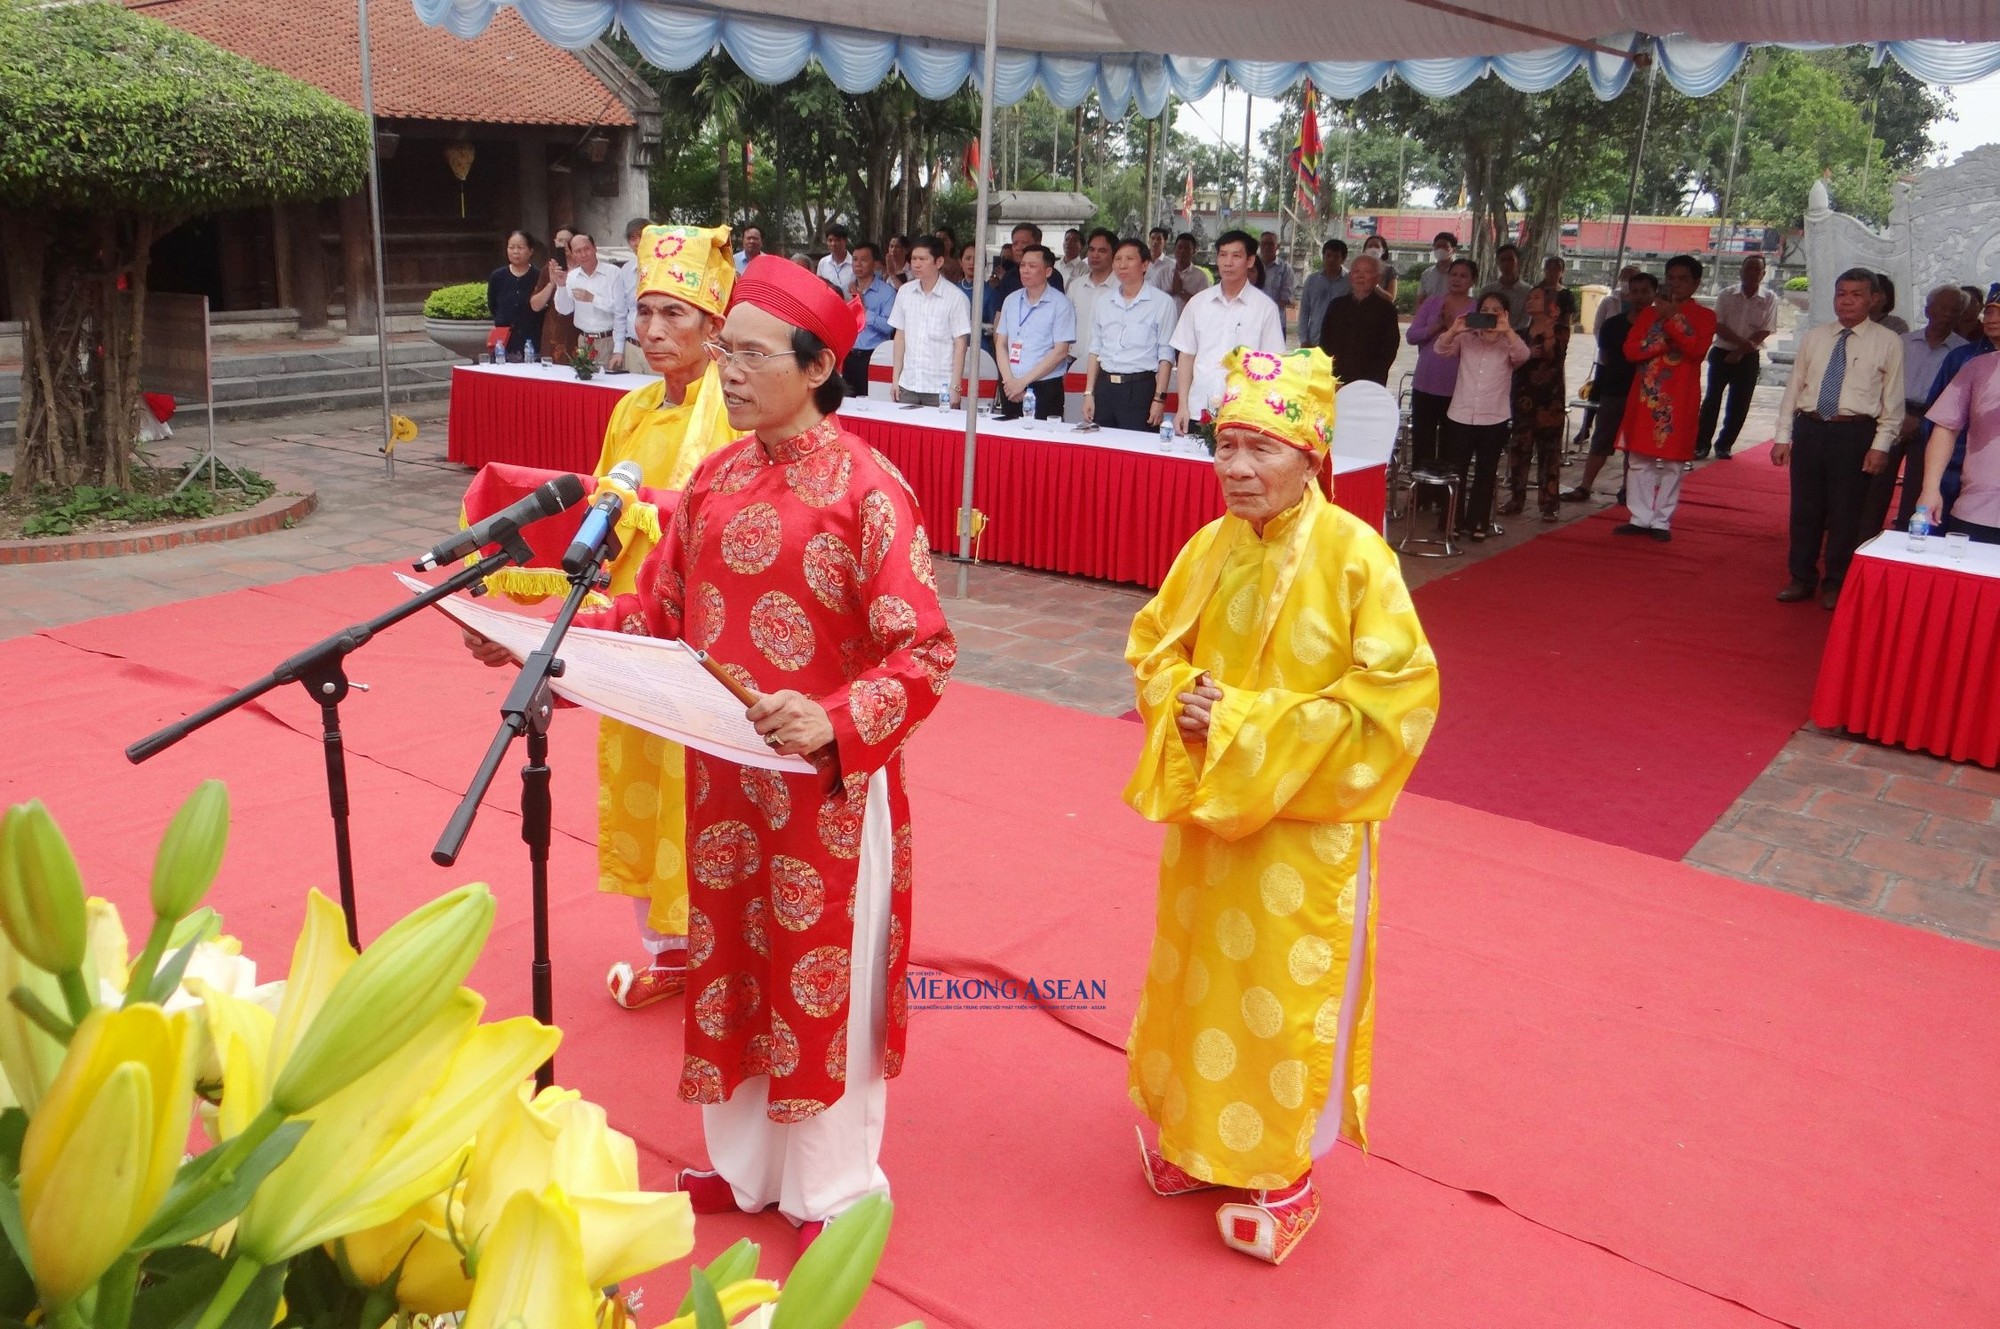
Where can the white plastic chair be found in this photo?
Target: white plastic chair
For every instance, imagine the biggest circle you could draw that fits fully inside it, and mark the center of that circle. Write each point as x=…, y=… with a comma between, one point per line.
x=1365, y=422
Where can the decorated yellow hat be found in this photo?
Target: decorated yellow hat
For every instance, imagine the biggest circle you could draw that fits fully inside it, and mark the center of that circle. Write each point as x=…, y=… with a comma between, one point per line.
x=689, y=263
x=1287, y=397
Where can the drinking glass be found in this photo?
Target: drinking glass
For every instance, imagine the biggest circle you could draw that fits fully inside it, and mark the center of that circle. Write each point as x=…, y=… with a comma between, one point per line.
x=1956, y=544
x=486, y=357
x=548, y=363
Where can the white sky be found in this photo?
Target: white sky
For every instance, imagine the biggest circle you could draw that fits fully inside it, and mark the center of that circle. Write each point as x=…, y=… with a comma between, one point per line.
x=1219, y=117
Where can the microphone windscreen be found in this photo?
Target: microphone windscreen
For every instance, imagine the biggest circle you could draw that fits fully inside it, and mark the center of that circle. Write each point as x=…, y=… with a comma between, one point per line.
x=563, y=492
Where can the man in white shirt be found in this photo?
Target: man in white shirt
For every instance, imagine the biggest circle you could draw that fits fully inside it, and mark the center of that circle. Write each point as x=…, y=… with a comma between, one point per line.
x=933, y=323
x=1279, y=279
x=1072, y=267
x=1842, y=408
x=753, y=245
x=1187, y=278
x=837, y=266
x=1744, y=318
x=1924, y=352
x=1509, y=286
x=1444, y=248
x=1131, y=347
x=1094, y=281
x=1215, y=321
x=1614, y=304
x=590, y=296
x=630, y=352
x=1160, y=263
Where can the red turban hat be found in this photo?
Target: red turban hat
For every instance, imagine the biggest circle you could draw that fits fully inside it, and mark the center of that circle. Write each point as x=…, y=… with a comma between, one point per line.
x=787, y=291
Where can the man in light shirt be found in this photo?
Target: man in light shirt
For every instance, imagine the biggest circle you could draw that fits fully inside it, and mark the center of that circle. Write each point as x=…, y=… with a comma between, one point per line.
x=1187, y=278
x=1032, y=336
x=1085, y=289
x=837, y=267
x=630, y=353
x=1509, y=286
x=1072, y=267
x=1215, y=321
x=1614, y=304
x=877, y=298
x=1744, y=317
x=1925, y=350
x=1842, y=408
x=1444, y=248
x=1279, y=279
x=1131, y=347
x=1322, y=289
x=590, y=296
x=1160, y=263
x=753, y=245
x=933, y=323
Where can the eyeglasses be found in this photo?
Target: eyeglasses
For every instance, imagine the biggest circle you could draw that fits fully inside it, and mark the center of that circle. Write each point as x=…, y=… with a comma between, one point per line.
x=734, y=359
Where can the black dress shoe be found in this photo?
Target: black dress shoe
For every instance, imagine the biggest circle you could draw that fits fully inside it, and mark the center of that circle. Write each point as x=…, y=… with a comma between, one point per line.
x=1829, y=595
x=1723, y=454
x=1795, y=592
x=1661, y=533
x=1628, y=528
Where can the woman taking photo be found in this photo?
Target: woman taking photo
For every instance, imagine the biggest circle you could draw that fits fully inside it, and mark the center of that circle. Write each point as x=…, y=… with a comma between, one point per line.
x=1540, y=409
x=516, y=294
x=1475, y=427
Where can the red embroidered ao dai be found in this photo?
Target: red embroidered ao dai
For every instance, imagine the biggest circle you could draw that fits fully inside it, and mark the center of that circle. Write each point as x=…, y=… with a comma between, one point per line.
x=806, y=570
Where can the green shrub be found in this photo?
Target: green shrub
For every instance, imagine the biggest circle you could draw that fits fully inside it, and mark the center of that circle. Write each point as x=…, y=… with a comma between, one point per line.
x=1797, y=284
x=466, y=300
x=1407, y=295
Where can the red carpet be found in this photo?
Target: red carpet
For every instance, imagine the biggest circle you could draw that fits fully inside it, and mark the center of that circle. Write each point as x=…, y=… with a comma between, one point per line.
x=1610, y=1089
x=1618, y=689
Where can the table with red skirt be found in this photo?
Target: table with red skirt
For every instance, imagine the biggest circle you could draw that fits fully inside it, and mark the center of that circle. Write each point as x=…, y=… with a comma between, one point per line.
x=1110, y=504
x=1913, y=656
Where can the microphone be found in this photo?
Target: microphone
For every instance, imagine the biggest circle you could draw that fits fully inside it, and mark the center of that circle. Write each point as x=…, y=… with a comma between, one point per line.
x=565, y=491
x=614, y=491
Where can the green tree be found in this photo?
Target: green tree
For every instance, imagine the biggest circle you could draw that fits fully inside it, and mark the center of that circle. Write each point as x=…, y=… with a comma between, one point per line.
x=115, y=127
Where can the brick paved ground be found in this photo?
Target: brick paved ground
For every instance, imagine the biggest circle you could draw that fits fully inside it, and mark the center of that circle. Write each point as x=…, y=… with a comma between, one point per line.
x=1900, y=835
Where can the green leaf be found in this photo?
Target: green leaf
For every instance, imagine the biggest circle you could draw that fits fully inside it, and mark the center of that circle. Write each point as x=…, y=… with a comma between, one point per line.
x=201, y=1201
x=13, y=1130
x=170, y=974
x=707, y=1308
x=732, y=1266
x=259, y=1307
x=177, y=1283
x=13, y=1228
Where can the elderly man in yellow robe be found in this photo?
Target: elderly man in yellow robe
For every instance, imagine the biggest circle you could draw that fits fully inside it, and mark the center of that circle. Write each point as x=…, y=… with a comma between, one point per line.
x=1286, y=690
x=668, y=427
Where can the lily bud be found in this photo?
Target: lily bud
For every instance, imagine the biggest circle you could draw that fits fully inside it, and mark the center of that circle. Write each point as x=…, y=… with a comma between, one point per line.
x=41, y=892
x=104, y=1144
x=391, y=992
x=190, y=853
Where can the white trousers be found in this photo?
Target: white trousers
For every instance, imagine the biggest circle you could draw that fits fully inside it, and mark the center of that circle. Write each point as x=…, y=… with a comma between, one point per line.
x=1652, y=490
x=814, y=1169
x=656, y=943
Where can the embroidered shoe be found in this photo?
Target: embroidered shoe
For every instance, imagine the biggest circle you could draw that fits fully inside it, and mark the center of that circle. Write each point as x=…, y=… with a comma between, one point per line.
x=1166, y=1178
x=1265, y=1228
x=636, y=989
x=707, y=1192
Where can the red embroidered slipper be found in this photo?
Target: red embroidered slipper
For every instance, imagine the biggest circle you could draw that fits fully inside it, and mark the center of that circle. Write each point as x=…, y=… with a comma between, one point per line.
x=1167, y=1178
x=1265, y=1228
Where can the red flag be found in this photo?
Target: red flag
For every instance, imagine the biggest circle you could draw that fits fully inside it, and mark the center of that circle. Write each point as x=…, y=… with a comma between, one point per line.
x=1187, y=199
x=1305, y=156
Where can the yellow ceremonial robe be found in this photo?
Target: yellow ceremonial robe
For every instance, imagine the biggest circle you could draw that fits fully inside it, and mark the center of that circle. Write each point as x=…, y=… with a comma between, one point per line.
x=642, y=782
x=1251, y=1031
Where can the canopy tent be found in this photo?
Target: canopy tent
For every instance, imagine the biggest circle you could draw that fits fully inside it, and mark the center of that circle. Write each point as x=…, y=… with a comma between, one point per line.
x=1123, y=50
x=1128, y=51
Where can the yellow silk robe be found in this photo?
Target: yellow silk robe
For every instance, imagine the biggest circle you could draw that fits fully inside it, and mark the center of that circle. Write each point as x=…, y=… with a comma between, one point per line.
x=642, y=782
x=1329, y=693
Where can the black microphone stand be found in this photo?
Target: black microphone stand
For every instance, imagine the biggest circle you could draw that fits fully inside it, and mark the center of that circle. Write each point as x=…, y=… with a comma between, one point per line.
x=320, y=670
x=526, y=710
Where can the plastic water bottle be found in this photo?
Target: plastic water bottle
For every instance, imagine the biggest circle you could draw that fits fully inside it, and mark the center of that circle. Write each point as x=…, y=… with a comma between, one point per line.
x=944, y=395
x=1167, y=434
x=528, y=353
x=1920, y=528
x=1028, y=408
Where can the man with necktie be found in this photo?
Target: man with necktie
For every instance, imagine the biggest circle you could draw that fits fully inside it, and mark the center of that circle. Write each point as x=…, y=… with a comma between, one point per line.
x=1836, y=424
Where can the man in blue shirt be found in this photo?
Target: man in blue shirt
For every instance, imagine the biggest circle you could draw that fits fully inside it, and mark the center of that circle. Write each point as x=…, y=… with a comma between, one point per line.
x=1032, y=338
x=878, y=297
x=1131, y=348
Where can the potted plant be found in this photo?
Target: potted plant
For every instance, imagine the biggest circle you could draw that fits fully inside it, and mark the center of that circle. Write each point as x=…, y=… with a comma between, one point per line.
x=1798, y=293
x=456, y=318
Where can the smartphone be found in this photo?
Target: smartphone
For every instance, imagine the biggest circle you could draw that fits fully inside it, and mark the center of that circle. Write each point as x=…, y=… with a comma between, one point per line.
x=1482, y=322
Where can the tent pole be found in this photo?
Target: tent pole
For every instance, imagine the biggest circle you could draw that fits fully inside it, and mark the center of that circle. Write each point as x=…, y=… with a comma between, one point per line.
x=1632, y=189
x=981, y=212
x=375, y=224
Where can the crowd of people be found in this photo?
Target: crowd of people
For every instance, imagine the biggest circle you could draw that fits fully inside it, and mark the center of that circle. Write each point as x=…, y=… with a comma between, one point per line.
x=1143, y=321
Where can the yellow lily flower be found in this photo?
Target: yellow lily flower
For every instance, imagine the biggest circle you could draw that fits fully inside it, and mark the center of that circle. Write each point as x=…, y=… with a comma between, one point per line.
x=393, y=1136
x=433, y=1281
x=555, y=1137
x=107, y=952
x=533, y=1272
x=29, y=1054
x=103, y=1147
x=745, y=1294
x=343, y=1015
